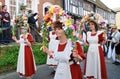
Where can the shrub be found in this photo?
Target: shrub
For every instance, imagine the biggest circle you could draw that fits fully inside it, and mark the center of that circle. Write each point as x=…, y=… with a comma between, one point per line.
x=9, y=56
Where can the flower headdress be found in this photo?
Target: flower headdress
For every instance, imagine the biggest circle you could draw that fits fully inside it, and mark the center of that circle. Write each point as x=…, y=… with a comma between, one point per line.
x=57, y=13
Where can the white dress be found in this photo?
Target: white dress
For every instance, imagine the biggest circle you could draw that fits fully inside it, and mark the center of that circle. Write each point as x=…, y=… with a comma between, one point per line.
x=52, y=44
x=93, y=58
x=63, y=68
x=21, y=58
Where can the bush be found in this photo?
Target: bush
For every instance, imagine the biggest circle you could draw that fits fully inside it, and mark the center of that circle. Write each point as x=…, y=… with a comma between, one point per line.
x=9, y=56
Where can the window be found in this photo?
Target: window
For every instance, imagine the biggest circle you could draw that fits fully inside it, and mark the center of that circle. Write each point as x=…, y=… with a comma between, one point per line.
x=29, y=4
x=15, y=4
x=12, y=8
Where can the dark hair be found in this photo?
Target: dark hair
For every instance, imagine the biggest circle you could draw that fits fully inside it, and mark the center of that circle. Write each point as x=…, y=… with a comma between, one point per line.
x=95, y=24
x=57, y=24
x=3, y=6
x=29, y=11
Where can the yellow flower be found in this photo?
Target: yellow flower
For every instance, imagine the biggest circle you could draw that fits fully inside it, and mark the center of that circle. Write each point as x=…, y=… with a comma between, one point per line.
x=24, y=17
x=17, y=17
x=68, y=22
x=43, y=47
x=51, y=10
x=48, y=24
x=60, y=12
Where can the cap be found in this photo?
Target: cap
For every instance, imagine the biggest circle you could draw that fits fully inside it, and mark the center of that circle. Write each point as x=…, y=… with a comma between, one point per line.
x=113, y=26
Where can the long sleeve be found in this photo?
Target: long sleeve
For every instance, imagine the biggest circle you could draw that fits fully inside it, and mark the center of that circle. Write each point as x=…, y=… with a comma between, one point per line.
x=30, y=39
x=101, y=37
x=79, y=49
x=31, y=19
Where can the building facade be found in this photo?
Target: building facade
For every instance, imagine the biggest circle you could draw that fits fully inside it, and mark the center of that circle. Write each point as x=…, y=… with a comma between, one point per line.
x=117, y=10
x=39, y=6
x=44, y=5
x=75, y=8
x=79, y=8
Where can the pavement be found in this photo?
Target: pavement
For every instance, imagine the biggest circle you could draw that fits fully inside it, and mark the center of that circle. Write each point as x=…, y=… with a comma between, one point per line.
x=44, y=72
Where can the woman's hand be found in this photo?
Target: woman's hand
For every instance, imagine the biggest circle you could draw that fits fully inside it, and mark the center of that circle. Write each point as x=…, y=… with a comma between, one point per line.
x=80, y=37
x=86, y=44
x=46, y=50
x=76, y=55
x=14, y=38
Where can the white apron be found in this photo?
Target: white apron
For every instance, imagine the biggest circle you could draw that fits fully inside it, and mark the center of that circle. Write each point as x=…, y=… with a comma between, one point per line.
x=93, y=58
x=52, y=46
x=109, y=55
x=20, y=63
x=63, y=68
x=21, y=57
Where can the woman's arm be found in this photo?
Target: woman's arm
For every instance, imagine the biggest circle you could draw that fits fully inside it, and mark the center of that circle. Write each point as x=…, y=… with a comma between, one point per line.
x=15, y=39
x=47, y=51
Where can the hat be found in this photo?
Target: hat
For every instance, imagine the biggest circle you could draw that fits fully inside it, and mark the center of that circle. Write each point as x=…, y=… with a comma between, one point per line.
x=22, y=7
x=113, y=26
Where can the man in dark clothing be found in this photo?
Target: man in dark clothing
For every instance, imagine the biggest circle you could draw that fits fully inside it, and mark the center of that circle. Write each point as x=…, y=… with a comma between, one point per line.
x=0, y=28
x=32, y=24
x=6, y=31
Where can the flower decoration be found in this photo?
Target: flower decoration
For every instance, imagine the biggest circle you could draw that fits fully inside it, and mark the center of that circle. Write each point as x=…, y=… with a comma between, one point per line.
x=95, y=16
x=57, y=13
x=68, y=22
x=21, y=21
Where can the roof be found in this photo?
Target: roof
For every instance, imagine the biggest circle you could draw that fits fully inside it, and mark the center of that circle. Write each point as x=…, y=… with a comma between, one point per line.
x=117, y=9
x=100, y=4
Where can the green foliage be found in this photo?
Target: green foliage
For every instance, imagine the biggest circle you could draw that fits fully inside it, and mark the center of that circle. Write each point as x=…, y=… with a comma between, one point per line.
x=45, y=33
x=9, y=56
x=85, y=48
x=69, y=34
x=40, y=56
x=0, y=31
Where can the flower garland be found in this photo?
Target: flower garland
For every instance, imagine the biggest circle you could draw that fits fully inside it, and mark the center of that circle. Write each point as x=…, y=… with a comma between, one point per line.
x=21, y=21
x=57, y=13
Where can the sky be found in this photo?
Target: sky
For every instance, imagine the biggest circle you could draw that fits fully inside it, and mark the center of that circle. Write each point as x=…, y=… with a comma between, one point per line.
x=112, y=3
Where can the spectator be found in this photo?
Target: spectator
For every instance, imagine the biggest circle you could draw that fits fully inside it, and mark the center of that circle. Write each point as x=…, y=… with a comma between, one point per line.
x=114, y=47
x=32, y=24
x=0, y=27
x=6, y=29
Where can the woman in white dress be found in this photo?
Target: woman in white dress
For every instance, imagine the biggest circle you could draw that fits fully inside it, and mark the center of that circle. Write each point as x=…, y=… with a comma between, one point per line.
x=95, y=67
x=63, y=53
x=26, y=63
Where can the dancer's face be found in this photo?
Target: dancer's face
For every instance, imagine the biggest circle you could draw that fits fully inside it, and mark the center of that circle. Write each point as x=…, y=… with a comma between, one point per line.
x=59, y=32
x=92, y=26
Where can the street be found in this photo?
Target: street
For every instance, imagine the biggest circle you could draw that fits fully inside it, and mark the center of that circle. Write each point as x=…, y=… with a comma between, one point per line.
x=44, y=72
